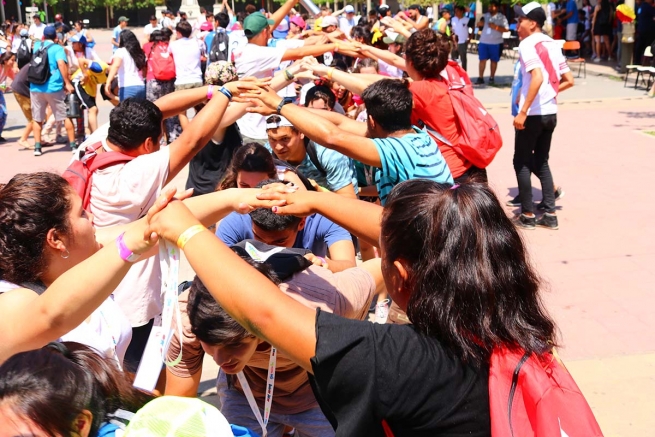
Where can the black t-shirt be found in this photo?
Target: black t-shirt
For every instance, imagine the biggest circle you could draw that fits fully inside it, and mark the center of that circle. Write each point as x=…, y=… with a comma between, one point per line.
x=20, y=85
x=366, y=372
x=207, y=169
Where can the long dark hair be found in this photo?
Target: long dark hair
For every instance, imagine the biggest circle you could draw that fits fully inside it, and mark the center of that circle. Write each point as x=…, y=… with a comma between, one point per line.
x=249, y=157
x=54, y=384
x=31, y=205
x=131, y=43
x=471, y=284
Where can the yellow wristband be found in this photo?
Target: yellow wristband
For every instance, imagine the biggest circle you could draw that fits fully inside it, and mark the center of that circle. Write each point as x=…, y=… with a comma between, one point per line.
x=188, y=234
x=329, y=73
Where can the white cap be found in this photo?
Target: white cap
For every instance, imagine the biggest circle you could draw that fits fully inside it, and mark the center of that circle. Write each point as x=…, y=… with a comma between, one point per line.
x=349, y=9
x=329, y=21
x=282, y=123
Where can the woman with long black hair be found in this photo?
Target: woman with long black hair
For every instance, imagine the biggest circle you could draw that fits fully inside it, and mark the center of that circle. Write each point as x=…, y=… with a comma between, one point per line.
x=451, y=258
x=129, y=66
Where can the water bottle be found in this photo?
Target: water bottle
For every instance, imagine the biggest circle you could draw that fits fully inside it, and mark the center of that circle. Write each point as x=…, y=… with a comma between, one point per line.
x=73, y=106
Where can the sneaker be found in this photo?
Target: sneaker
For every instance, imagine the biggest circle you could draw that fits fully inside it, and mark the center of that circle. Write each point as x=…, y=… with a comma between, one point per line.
x=480, y=81
x=514, y=202
x=61, y=139
x=525, y=222
x=559, y=193
x=3, y=140
x=37, y=151
x=25, y=144
x=491, y=81
x=548, y=221
x=597, y=60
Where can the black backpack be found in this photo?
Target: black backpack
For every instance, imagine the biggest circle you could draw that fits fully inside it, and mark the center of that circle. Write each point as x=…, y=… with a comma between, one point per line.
x=215, y=52
x=24, y=53
x=38, y=72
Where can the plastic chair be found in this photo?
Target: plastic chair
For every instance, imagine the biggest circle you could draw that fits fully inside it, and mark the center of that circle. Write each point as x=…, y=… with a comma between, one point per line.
x=642, y=70
x=576, y=59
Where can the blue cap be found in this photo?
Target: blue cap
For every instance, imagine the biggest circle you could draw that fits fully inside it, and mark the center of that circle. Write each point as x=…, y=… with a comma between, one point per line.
x=50, y=32
x=95, y=67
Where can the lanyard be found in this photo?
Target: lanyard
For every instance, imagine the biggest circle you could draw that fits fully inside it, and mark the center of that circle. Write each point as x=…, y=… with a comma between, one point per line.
x=270, y=383
x=169, y=256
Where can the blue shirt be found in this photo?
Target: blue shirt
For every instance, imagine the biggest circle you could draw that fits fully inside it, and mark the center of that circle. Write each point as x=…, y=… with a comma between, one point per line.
x=413, y=156
x=115, y=34
x=340, y=170
x=56, y=82
x=571, y=6
x=318, y=234
x=517, y=83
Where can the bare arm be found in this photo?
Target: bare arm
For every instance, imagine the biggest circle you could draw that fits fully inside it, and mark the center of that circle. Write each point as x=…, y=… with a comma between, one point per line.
x=312, y=50
x=63, y=69
x=386, y=56
x=279, y=15
x=342, y=256
x=248, y=297
x=347, y=191
x=29, y=321
x=356, y=83
x=342, y=122
x=113, y=71
x=178, y=386
x=566, y=81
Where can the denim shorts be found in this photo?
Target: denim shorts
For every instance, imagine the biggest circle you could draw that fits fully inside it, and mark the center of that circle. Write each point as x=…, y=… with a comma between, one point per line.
x=489, y=51
x=136, y=91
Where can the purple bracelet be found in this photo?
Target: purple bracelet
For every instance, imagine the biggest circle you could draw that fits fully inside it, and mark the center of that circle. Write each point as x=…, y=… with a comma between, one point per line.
x=125, y=253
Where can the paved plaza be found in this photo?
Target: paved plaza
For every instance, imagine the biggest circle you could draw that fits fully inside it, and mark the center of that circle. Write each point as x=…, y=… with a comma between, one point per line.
x=599, y=267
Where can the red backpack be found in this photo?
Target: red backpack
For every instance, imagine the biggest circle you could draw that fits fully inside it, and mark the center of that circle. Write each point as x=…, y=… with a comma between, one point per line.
x=160, y=62
x=80, y=173
x=480, y=138
x=533, y=397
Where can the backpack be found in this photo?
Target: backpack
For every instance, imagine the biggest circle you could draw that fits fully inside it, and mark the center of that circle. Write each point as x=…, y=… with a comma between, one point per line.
x=24, y=53
x=220, y=44
x=480, y=138
x=533, y=396
x=161, y=63
x=80, y=173
x=39, y=69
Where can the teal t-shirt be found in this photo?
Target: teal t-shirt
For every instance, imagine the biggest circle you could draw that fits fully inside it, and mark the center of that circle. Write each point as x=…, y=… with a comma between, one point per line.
x=56, y=81
x=412, y=156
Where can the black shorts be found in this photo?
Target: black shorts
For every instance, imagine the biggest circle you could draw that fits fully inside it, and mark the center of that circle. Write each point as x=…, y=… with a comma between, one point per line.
x=88, y=102
x=603, y=29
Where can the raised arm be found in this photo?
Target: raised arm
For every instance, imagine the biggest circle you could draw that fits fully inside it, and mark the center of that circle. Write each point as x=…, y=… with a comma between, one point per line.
x=249, y=298
x=201, y=129
x=341, y=121
x=319, y=130
x=384, y=55
x=354, y=82
x=284, y=10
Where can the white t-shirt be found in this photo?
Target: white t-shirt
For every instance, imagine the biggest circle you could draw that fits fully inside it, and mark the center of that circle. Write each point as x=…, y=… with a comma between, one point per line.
x=167, y=23
x=121, y=194
x=260, y=62
x=345, y=25
x=107, y=330
x=492, y=36
x=290, y=90
x=237, y=41
x=186, y=54
x=460, y=27
x=36, y=31
x=150, y=28
x=128, y=74
x=545, y=102
x=389, y=70
x=15, y=44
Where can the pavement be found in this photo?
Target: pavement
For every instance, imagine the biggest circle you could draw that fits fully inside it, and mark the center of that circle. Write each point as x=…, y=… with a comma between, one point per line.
x=598, y=268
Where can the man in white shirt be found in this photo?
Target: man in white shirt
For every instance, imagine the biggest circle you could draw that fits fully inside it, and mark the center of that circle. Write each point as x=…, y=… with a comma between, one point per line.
x=186, y=52
x=258, y=60
x=348, y=22
x=37, y=28
x=460, y=26
x=151, y=27
x=123, y=193
x=545, y=74
x=167, y=21
x=491, y=41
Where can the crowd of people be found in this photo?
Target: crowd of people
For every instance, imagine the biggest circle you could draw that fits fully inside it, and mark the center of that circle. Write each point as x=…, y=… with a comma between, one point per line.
x=331, y=182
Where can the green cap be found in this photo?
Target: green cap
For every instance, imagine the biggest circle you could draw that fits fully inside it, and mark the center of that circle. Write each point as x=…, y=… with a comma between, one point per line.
x=255, y=23
x=123, y=18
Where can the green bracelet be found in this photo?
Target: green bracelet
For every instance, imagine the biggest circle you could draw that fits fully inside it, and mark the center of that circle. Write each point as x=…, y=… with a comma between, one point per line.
x=288, y=75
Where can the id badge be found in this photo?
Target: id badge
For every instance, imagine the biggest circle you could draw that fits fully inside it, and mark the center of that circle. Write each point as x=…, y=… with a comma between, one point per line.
x=151, y=362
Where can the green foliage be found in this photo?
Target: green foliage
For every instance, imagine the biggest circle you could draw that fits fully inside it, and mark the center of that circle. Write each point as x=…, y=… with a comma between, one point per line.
x=89, y=5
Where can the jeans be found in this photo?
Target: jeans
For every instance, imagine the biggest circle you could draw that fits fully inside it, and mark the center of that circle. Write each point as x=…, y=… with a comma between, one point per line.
x=235, y=408
x=461, y=53
x=137, y=92
x=531, y=148
x=3, y=112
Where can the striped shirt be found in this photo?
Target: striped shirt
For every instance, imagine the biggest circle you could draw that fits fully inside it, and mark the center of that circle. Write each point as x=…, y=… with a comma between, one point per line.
x=413, y=156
